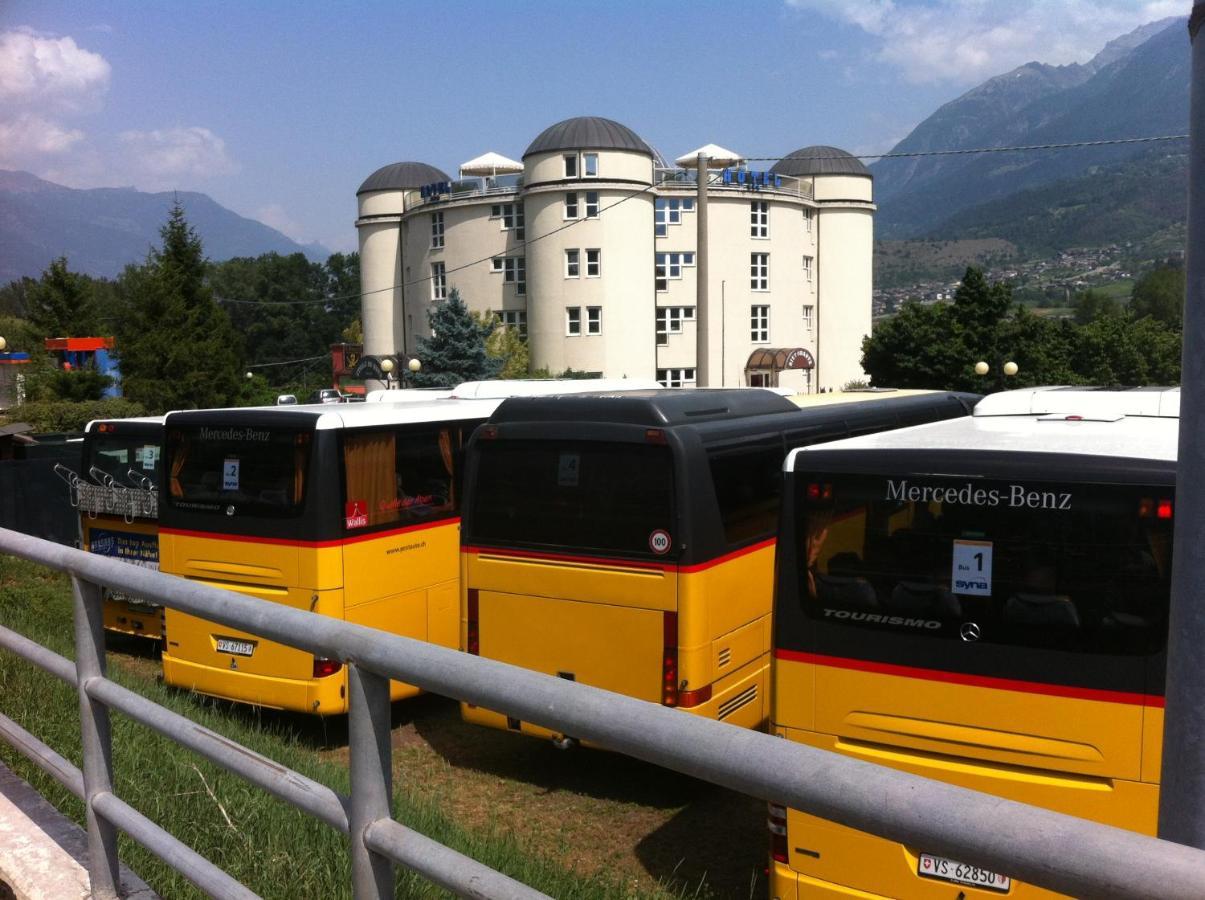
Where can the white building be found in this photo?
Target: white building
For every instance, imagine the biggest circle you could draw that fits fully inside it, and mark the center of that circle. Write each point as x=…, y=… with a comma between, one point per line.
x=591, y=248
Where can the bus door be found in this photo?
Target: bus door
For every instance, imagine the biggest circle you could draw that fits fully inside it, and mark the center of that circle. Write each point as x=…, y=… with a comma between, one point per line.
x=996, y=635
x=570, y=568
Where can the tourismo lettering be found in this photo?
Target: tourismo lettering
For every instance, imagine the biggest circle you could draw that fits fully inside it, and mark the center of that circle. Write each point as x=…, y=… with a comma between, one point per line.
x=880, y=619
x=1016, y=496
x=234, y=434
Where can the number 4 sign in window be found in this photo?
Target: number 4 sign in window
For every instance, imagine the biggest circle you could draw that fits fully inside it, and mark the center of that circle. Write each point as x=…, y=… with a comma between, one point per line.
x=971, y=570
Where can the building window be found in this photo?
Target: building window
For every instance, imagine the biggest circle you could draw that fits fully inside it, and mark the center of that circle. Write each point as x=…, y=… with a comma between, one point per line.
x=676, y=377
x=590, y=165
x=573, y=263
x=668, y=211
x=512, y=218
x=669, y=265
x=513, y=269
x=496, y=211
x=573, y=320
x=593, y=263
x=593, y=320
x=591, y=204
x=439, y=282
x=759, y=271
x=571, y=205
x=807, y=268
x=496, y=263
x=759, y=324
x=437, y=230
x=808, y=313
x=669, y=321
x=570, y=165
x=759, y=219
x=513, y=318
x=808, y=215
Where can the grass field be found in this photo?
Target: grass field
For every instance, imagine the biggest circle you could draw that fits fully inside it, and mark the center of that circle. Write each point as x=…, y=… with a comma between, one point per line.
x=584, y=824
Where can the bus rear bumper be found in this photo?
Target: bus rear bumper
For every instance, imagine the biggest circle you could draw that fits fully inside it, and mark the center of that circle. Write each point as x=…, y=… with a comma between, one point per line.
x=787, y=884
x=321, y=696
x=137, y=619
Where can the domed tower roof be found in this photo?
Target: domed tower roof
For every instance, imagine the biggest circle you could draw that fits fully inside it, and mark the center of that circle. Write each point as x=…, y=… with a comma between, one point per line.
x=820, y=160
x=588, y=133
x=401, y=176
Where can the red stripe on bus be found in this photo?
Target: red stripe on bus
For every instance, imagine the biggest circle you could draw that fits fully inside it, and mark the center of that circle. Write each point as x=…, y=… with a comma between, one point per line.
x=284, y=542
x=987, y=681
x=629, y=563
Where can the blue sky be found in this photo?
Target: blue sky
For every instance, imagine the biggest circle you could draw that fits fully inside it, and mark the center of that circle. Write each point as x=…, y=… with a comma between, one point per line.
x=279, y=110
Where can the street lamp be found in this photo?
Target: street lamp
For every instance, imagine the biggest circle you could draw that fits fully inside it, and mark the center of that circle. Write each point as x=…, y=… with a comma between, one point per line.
x=250, y=375
x=387, y=366
x=1010, y=369
x=981, y=368
x=3, y=345
x=414, y=365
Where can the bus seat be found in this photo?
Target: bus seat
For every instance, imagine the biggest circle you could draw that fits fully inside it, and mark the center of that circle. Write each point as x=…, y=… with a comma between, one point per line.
x=1041, y=609
x=846, y=591
x=925, y=597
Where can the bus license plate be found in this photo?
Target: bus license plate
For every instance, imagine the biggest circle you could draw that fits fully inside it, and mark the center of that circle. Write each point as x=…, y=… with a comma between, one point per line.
x=238, y=648
x=930, y=866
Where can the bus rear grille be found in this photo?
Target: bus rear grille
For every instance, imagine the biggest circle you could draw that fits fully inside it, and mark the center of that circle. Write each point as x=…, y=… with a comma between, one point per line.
x=725, y=656
x=744, y=698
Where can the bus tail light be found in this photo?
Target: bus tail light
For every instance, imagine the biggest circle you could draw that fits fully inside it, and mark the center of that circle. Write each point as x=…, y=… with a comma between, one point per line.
x=669, y=660
x=776, y=824
x=324, y=667
x=472, y=638
x=1150, y=508
x=655, y=436
x=818, y=491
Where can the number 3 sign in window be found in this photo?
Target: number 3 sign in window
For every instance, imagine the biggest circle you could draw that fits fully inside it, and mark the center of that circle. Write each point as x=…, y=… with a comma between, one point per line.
x=971, y=570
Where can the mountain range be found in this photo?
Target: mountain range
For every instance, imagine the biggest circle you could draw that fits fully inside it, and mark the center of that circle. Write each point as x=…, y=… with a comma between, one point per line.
x=1137, y=86
x=101, y=230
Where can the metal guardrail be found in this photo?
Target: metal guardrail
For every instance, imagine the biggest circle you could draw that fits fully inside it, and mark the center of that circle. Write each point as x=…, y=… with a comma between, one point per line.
x=106, y=497
x=1035, y=845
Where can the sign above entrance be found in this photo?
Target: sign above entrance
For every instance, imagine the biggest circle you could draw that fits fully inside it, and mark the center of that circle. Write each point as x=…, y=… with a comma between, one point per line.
x=751, y=180
x=780, y=359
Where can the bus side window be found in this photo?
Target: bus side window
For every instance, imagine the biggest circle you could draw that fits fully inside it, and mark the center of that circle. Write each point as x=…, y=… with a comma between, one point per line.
x=748, y=487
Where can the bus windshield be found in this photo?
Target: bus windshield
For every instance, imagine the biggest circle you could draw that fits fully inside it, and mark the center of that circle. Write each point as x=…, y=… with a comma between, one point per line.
x=1076, y=567
x=118, y=455
x=261, y=471
x=580, y=495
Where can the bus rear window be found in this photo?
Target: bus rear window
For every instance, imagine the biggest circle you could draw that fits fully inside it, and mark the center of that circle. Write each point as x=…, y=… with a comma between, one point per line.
x=398, y=478
x=1077, y=567
x=130, y=461
x=610, y=497
x=259, y=471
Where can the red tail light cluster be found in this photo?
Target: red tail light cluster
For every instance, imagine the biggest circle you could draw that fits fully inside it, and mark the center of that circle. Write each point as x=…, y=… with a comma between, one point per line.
x=818, y=491
x=1150, y=508
x=776, y=824
x=324, y=667
x=472, y=641
x=669, y=660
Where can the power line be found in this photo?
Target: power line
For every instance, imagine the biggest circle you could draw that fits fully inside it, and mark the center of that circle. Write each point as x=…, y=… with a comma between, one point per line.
x=1015, y=149
x=287, y=362
x=645, y=190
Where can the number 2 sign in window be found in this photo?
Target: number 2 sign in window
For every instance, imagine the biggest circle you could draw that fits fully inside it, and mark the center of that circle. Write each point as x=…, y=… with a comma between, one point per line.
x=971, y=569
x=230, y=475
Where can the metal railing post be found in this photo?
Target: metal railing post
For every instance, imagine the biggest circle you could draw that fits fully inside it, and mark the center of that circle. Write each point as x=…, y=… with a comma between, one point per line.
x=103, y=872
x=371, y=769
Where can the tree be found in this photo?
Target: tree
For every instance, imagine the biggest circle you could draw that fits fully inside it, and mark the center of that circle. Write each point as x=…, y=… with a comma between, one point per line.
x=62, y=303
x=1091, y=305
x=176, y=345
x=1160, y=295
x=506, y=345
x=455, y=352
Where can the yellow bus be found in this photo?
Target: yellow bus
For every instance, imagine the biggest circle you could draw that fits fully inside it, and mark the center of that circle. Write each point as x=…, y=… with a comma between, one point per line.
x=627, y=542
x=117, y=494
x=347, y=510
x=982, y=601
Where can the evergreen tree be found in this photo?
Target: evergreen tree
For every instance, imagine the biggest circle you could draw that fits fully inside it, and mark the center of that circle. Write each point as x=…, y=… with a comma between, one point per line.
x=506, y=345
x=62, y=303
x=177, y=347
x=455, y=352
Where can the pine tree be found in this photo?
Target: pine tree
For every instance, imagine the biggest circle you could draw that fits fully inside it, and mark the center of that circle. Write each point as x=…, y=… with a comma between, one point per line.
x=455, y=352
x=62, y=303
x=177, y=347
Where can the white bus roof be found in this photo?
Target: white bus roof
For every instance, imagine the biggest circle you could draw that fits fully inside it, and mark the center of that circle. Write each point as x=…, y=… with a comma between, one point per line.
x=852, y=396
x=146, y=420
x=1076, y=422
x=500, y=389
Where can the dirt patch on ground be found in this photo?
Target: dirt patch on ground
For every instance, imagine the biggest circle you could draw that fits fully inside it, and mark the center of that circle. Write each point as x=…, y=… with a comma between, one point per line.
x=596, y=811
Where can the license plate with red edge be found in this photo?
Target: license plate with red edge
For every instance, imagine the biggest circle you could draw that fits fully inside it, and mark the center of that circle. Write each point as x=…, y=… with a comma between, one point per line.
x=955, y=872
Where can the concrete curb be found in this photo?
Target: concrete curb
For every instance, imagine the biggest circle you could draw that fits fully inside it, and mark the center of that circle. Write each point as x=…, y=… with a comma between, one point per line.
x=43, y=854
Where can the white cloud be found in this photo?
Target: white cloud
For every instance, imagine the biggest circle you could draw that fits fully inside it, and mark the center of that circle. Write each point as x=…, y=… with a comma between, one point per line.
x=25, y=136
x=966, y=41
x=50, y=74
x=175, y=156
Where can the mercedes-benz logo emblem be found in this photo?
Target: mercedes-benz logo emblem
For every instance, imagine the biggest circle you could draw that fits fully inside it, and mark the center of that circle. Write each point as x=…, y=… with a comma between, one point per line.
x=969, y=631
x=230, y=510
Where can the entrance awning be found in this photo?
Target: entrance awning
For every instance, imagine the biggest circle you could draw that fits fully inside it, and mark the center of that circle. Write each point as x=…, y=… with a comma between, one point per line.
x=780, y=359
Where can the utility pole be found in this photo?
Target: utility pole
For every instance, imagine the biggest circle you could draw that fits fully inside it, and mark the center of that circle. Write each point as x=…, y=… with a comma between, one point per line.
x=703, y=336
x=1182, y=791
